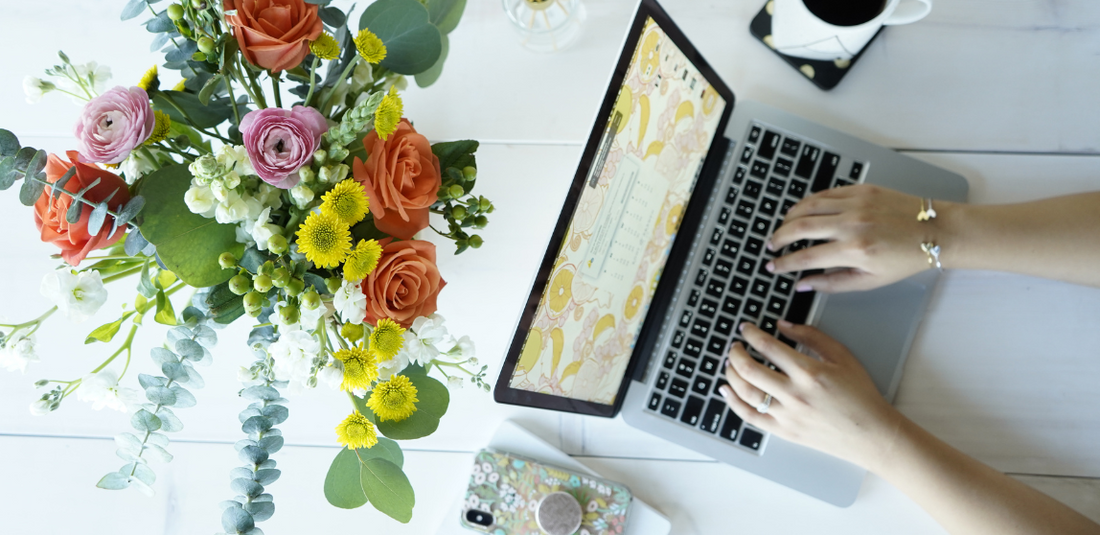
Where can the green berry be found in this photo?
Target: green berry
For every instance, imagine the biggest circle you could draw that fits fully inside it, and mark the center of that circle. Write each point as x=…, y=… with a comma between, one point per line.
x=198, y=4
x=311, y=299
x=290, y=314
x=262, y=283
x=456, y=191
x=227, y=261
x=240, y=284
x=475, y=241
x=484, y=204
x=480, y=221
x=333, y=284
x=253, y=301
x=469, y=172
x=175, y=12
x=458, y=212
x=295, y=287
x=280, y=277
x=277, y=244
x=198, y=56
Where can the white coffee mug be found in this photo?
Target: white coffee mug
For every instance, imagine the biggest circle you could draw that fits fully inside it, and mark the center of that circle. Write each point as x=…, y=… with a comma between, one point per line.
x=798, y=32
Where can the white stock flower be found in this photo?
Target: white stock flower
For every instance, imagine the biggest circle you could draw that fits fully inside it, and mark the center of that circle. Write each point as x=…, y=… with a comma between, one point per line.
x=95, y=73
x=235, y=159
x=102, y=390
x=262, y=231
x=426, y=338
x=350, y=302
x=40, y=407
x=200, y=200
x=361, y=76
x=34, y=88
x=232, y=210
x=77, y=296
x=301, y=195
x=465, y=348
x=219, y=190
x=454, y=381
x=393, y=366
x=136, y=166
x=18, y=352
x=293, y=353
x=332, y=374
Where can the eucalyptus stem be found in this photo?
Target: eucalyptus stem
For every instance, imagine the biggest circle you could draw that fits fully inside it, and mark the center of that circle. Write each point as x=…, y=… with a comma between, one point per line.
x=74, y=197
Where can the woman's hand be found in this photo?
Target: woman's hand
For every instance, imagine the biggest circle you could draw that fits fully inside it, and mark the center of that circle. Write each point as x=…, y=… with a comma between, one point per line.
x=871, y=231
x=828, y=403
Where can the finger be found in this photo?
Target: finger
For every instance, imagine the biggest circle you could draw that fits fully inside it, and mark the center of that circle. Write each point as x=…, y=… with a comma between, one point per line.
x=793, y=363
x=815, y=340
x=817, y=227
x=758, y=375
x=744, y=390
x=826, y=202
x=845, y=280
x=747, y=412
x=824, y=256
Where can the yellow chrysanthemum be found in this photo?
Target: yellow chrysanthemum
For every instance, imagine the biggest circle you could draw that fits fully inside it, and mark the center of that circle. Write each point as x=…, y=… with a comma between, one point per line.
x=324, y=239
x=394, y=399
x=370, y=47
x=388, y=114
x=360, y=368
x=179, y=86
x=356, y=432
x=352, y=332
x=150, y=82
x=325, y=47
x=347, y=201
x=362, y=260
x=386, y=339
x=161, y=128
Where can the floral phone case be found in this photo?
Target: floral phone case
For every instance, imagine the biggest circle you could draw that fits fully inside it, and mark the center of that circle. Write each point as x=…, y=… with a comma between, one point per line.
x=505, y=490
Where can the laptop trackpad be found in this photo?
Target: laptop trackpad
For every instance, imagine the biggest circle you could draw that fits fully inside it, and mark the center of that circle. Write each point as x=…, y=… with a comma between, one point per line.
x=879, y=325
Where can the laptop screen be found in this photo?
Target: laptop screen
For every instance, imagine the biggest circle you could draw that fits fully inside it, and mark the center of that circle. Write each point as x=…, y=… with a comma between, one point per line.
x=605, y=274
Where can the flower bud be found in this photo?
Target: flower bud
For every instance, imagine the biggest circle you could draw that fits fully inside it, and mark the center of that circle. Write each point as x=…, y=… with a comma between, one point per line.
x=295, y=287
x=262, y=283
x=311, y=300
x=307, y=174
x=311, y=382
x=227, y=260
x=240, y=284
x=457, y=191
x=469, y=172
x=458, y=212
x=290, y=314
x=253, y=301
x=333, y=284
x=352, y=331
x=277, y=244
x=198, y=56
x=175, y=12
x=206, y=45
x=41, y=383
x=320, y=157
x=475, y=241
x=280, y=277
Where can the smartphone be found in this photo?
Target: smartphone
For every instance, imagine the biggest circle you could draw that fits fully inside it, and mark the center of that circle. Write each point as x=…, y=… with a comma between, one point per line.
x=513, y=495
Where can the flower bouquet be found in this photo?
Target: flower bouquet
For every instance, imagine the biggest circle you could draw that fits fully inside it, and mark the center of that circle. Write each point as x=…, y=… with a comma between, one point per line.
x=303, y=218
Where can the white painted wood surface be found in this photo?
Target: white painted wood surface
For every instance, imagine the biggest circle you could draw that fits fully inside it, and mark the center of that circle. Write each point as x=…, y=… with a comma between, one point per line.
x=1004, y=367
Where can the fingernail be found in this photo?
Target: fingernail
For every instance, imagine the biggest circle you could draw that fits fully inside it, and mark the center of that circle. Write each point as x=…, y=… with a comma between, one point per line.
x=803, y=287
x=771, y=265
x=741, y=328
x=785, y=324
x=725, y=390
x=770, y=246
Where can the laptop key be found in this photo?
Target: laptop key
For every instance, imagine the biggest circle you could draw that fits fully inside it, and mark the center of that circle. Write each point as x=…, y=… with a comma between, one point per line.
x=760, y=288
x=796, y=189
x=685, y=367
x=786, y=207
x=712, y=416
x=768, y=206
x=760, y=226
x=738, y=286
x=709, y=365
x=799, y=308
x=701, y=386
x=723, y=325
x=751, y=438
x=692, y=410
x=716, y=344
x=768, y=146
x=723, y=268
x=775, y=305
x=670, y=408
x=678, y=340
x=759, y=169
x=739, y=175
x=784, y=285
x=730, y=426
x=724, y=215
x=776, y=187
x=746, y=155
x=700, y=328
x=708, y=256
x=701, y=277
x=754, y=134
x=678, y=388
x=715, y=288
x=662, y=380
x=753, y=308
x=790, y=147
x=782, y=167
x=824, y=177
x=730, y=248
x=746, y=265
x=731, y=195
x=738, y=228
x=670, y=359
x=719, y=384
x=708, y=308
x=745, y=209
x=763, y=271
x=716, y=236
x=655, y=402
x=753, y=189
x=767, y=324
x=857, y=171
x=693, y=347
x=807, y=161
x=685, y=318
x=693, y=298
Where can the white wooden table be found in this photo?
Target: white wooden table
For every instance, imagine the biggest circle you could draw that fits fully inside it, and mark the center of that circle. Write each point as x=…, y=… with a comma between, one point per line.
x=1004, y=367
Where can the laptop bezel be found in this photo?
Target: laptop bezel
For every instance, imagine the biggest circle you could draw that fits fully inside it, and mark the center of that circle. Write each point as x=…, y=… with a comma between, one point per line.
x=678, y=256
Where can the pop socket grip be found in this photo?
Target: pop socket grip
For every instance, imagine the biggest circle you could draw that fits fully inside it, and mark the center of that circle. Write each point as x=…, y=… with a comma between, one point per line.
x=559, y=514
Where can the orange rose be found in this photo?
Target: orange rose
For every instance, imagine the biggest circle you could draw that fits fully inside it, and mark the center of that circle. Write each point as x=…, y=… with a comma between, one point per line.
x=49, y=211
x=274, y=34
x=405, y=284
x=401, y=177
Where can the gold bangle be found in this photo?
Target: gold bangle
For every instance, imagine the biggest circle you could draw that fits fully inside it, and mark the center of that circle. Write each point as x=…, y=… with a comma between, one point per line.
x=933, y=252
x=928, y=213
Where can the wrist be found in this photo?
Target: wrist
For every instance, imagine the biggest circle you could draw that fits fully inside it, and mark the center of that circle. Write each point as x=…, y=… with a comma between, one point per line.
x=947, y=231
x=883, y=441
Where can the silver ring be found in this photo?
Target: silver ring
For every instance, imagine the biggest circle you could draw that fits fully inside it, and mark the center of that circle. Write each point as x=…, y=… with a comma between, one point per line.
x=762, y=408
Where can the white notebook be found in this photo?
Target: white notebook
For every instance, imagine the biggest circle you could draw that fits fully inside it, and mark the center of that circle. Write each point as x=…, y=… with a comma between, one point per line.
x=510, y=437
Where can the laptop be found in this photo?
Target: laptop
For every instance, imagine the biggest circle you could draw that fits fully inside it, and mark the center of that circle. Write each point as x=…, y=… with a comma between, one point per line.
x=659, y=254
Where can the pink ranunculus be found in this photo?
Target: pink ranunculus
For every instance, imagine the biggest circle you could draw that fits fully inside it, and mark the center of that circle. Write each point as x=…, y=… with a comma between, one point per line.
x=280, y=142
x=113, y=124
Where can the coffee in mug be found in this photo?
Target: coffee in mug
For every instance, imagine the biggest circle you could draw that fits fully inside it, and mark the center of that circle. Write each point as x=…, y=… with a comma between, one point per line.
x=836, y=29
x=845, y=12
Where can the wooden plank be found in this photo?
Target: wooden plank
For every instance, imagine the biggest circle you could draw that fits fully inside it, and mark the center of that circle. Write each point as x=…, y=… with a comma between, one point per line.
x=974, y=75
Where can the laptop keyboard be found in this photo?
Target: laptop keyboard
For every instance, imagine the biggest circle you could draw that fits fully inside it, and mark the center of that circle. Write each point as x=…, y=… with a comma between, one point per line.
x=729, y=283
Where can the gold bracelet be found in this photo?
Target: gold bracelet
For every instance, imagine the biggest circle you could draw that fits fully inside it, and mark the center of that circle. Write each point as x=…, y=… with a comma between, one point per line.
x=928, y=213
x=933, y=252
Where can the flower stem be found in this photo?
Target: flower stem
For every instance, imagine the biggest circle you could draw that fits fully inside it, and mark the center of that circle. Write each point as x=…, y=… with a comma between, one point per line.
x=312, y=80
x=190, y=120
x=121, y=274
x=275, y=89
x=339, y=82
x=35, y=321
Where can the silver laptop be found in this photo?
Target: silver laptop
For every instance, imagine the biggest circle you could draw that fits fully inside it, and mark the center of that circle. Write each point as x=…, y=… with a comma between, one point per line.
x=659, y=254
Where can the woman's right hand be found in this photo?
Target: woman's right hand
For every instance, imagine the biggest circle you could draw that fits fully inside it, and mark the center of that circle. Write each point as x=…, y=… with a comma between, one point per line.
x=870, y=231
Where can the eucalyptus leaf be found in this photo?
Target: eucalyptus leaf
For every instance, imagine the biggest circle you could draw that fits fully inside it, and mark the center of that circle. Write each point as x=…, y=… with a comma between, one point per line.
x=194, y=380
x=260, y=392
x=114, y=481
x=237, y=520
x=260, y=510
x=23, y=158
x=163, y=356
x=343, y=486
x=144, y=420
x=59, y=185
x=30, y=191
x=246, y=487
x=160, y=439
x=98, y=217
x=252, y=454
x=128, y=441
x=135, y=244
x=160, y=24
x=276, y=413
x=170, y=423
x=244, y=415
x=229, y=503
x=190, y=349
x=179, y=333
x=333, y=16
x=272, y=444
x=445, y=14
x=263, y=498
x=9, y=144
x=431, y=75
x=72, y=215
x=388, y=489
x=157, y=453
x=184, y=397
x=148, y=380
x=266, y=477
x=140, y=471
x=240, y=472
x=160, y=395
x=132, y=9
x=205, y=335
x=175, y=372
x=159, y=41
x=130, y=210
x=145, y=281
x=255, y=425
x=413, y=44
x=267, y=464
x=142, y=487
x=8, y=174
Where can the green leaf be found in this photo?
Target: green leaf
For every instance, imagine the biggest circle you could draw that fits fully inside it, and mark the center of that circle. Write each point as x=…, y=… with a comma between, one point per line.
x=237, y=520
x=114, y=481
x=209, y=88
x=143, y=420
x=413, y=44
x=8, y=173
x=430, y=76
x=260, y=392
x=160, y=395
x=184, y=397
x=187, y=243
x=31, y=190
x=388, y=489
x=170, y=423
x=445, y=14
x=133, y=8
x=9, y=144
x=104, y=333
x=332, y=16
x=433, y=399
x=98, y=217
x=385, y=449
x=223, y=305
x=201, y=115
x=343, y=487
x=457, y=154
x=166, y=315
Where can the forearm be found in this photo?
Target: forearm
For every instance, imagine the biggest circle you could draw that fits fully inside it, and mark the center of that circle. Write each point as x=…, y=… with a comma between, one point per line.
x=1056, y=238
x=966, y=496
